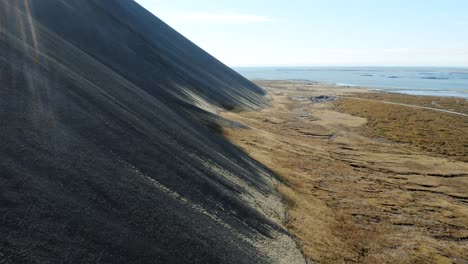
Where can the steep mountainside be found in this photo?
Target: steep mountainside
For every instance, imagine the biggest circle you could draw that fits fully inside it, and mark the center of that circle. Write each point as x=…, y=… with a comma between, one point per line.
x=108, y=144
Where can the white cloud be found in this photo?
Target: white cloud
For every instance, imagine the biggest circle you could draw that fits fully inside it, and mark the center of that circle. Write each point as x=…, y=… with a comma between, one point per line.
x=219, y=17
x=398, y=50
x=416, y=51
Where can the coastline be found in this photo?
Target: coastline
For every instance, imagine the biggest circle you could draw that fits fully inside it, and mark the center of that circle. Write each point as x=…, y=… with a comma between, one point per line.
x=432, y=81
x=460, y=94
x=388, y=91
x=361, y=183
x=409, y=91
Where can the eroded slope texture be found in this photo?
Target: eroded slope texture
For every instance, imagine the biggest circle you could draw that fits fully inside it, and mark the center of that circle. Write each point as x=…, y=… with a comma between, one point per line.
x=105, y=154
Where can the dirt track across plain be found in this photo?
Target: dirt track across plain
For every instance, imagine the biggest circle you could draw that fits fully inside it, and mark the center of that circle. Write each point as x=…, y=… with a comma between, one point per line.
x=352, y=197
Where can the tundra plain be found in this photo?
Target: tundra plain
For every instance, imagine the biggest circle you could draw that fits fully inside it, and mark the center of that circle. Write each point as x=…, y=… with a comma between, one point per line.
x=360, y=185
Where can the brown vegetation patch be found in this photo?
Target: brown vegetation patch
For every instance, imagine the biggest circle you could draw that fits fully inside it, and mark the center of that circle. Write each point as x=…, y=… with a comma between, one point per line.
x=432, y=131
x=352, y=198
x=446, y=103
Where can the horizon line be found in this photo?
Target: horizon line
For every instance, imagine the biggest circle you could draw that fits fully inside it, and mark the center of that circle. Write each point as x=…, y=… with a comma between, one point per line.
x=360, y=66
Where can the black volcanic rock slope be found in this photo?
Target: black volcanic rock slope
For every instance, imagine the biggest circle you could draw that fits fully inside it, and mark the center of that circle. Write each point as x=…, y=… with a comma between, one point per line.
x=107, y=152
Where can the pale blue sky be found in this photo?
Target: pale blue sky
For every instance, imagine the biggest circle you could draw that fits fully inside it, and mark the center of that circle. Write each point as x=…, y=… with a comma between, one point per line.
x=323, y=32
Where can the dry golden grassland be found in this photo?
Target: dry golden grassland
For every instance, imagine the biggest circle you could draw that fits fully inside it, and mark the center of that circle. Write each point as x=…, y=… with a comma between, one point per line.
x=446, y=103
x=432, y=131
x=352, y=197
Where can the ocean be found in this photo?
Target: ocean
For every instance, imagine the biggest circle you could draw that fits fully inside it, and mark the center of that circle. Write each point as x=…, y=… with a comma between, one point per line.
x=407, y=80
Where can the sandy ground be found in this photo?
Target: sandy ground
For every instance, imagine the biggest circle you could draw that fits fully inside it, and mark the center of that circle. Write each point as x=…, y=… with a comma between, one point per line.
x=354, y=197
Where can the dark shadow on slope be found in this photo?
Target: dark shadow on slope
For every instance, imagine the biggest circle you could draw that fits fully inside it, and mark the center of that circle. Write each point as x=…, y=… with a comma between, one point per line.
x=100, y=160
